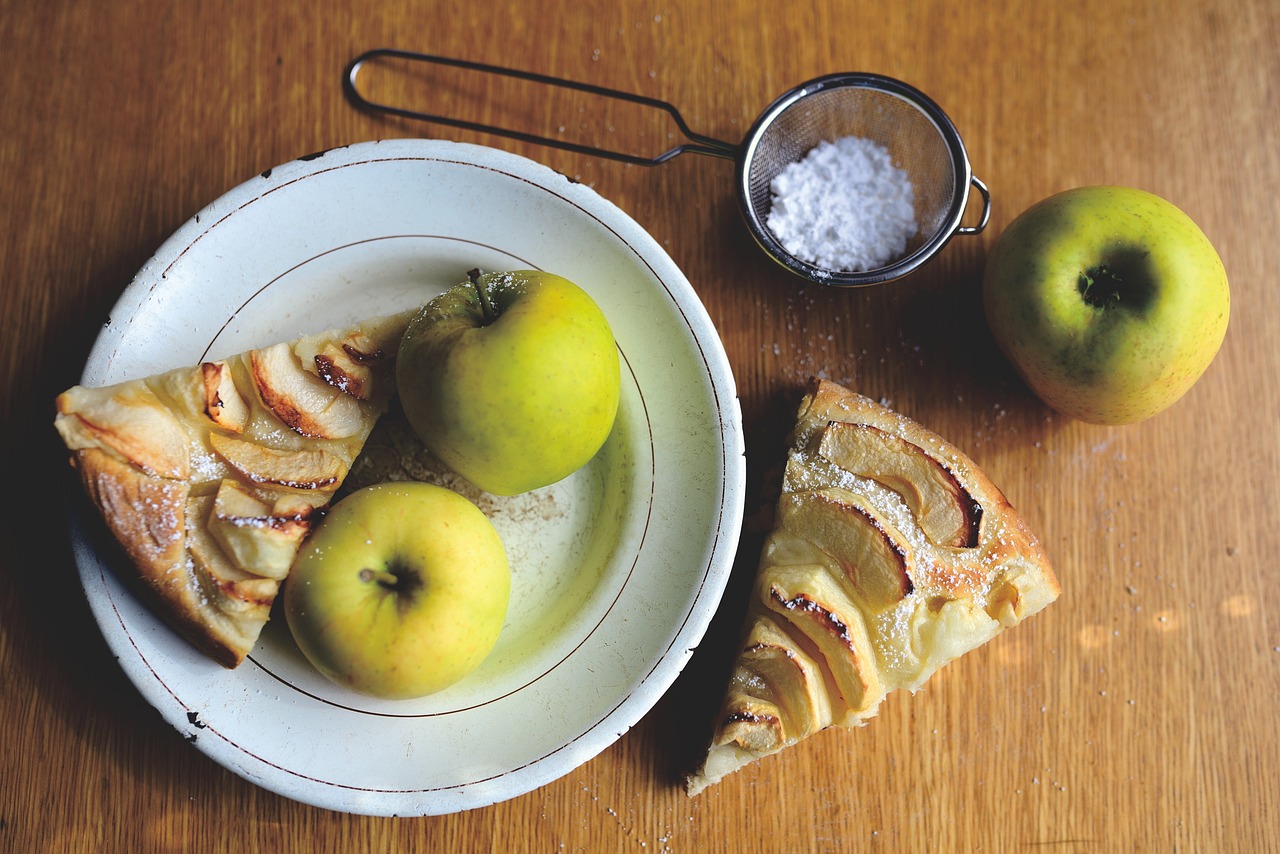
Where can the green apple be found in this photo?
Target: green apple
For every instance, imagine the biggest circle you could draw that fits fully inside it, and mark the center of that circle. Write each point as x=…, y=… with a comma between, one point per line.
x=401, y=591
x=512, y=379
x=1109, y=301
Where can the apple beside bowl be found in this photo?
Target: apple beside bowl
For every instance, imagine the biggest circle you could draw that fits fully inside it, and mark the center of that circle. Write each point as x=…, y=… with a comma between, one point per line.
x=1109, y=301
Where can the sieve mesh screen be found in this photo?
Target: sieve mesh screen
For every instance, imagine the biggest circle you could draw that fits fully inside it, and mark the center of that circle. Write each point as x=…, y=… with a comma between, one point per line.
x=913, y=140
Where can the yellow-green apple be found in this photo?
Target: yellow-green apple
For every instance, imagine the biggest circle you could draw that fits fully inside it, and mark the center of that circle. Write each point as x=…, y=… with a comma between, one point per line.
x=1109, y=301
x=511, y=379
x=401, y=591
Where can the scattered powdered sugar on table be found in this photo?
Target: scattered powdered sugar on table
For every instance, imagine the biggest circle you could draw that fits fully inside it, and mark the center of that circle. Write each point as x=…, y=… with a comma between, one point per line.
x=844, y=206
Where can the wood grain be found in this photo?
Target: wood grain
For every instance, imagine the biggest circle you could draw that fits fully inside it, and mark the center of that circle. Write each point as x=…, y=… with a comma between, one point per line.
x=1137, y=713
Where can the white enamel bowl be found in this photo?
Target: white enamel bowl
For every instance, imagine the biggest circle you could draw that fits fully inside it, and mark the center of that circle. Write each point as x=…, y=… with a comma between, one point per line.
x=617, y=571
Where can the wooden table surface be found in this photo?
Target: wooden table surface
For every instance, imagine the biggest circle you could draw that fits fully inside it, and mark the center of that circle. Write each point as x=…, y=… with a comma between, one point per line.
x=1136, y=713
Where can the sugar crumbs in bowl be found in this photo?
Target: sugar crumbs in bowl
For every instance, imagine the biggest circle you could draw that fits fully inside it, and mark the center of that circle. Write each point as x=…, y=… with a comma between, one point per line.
x=844, y=206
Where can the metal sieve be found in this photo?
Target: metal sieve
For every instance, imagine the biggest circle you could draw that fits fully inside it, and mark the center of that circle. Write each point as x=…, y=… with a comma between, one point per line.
x=920, y=138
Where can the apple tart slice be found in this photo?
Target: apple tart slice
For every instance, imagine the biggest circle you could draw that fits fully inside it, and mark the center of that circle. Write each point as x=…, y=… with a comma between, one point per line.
x=209, y=477
x=891, y=554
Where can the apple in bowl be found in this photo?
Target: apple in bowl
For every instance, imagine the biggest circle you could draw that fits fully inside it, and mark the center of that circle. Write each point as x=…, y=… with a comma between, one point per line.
x=1109, y=301
x=511, y=379
x=400, y=592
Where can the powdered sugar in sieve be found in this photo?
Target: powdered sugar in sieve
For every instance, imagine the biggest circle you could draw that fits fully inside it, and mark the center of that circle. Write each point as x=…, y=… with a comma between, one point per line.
x=844, y=206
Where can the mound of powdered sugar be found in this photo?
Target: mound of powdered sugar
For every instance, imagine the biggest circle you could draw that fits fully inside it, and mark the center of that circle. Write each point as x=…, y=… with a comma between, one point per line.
x=844, y=206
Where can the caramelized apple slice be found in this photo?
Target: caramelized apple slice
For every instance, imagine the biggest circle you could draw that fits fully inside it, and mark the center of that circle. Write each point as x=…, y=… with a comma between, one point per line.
x=129, y=420
x=305, y=403
x=230, y=589
x=297, y=505
x=815, y=604
x=748, y=730
x=777, y=695
x=348, y=364
x=257, y=537
x=346, y=370
x=794, y=681
x=222, y=401
x=946, y=513
x=310, y=468
x=864, y=546
x=751, y=723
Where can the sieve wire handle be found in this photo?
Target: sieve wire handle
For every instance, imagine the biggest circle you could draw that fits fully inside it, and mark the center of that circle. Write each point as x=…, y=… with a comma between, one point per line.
x=986, y=208
x=696, y=143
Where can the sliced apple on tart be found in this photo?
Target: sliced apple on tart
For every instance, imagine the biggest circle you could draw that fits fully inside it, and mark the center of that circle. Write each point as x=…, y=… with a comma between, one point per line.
x=255, y=533
x=945, y=512
x=891, y=554
x=210, y=476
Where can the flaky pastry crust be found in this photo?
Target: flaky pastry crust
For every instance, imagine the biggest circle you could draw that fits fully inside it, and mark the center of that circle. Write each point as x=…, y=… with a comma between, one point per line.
x=210, y=476
x=891, y=554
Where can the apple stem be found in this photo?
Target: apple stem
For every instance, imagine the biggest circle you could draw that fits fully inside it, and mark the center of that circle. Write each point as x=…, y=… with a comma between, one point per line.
x=486, y=303
x=383, y=577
